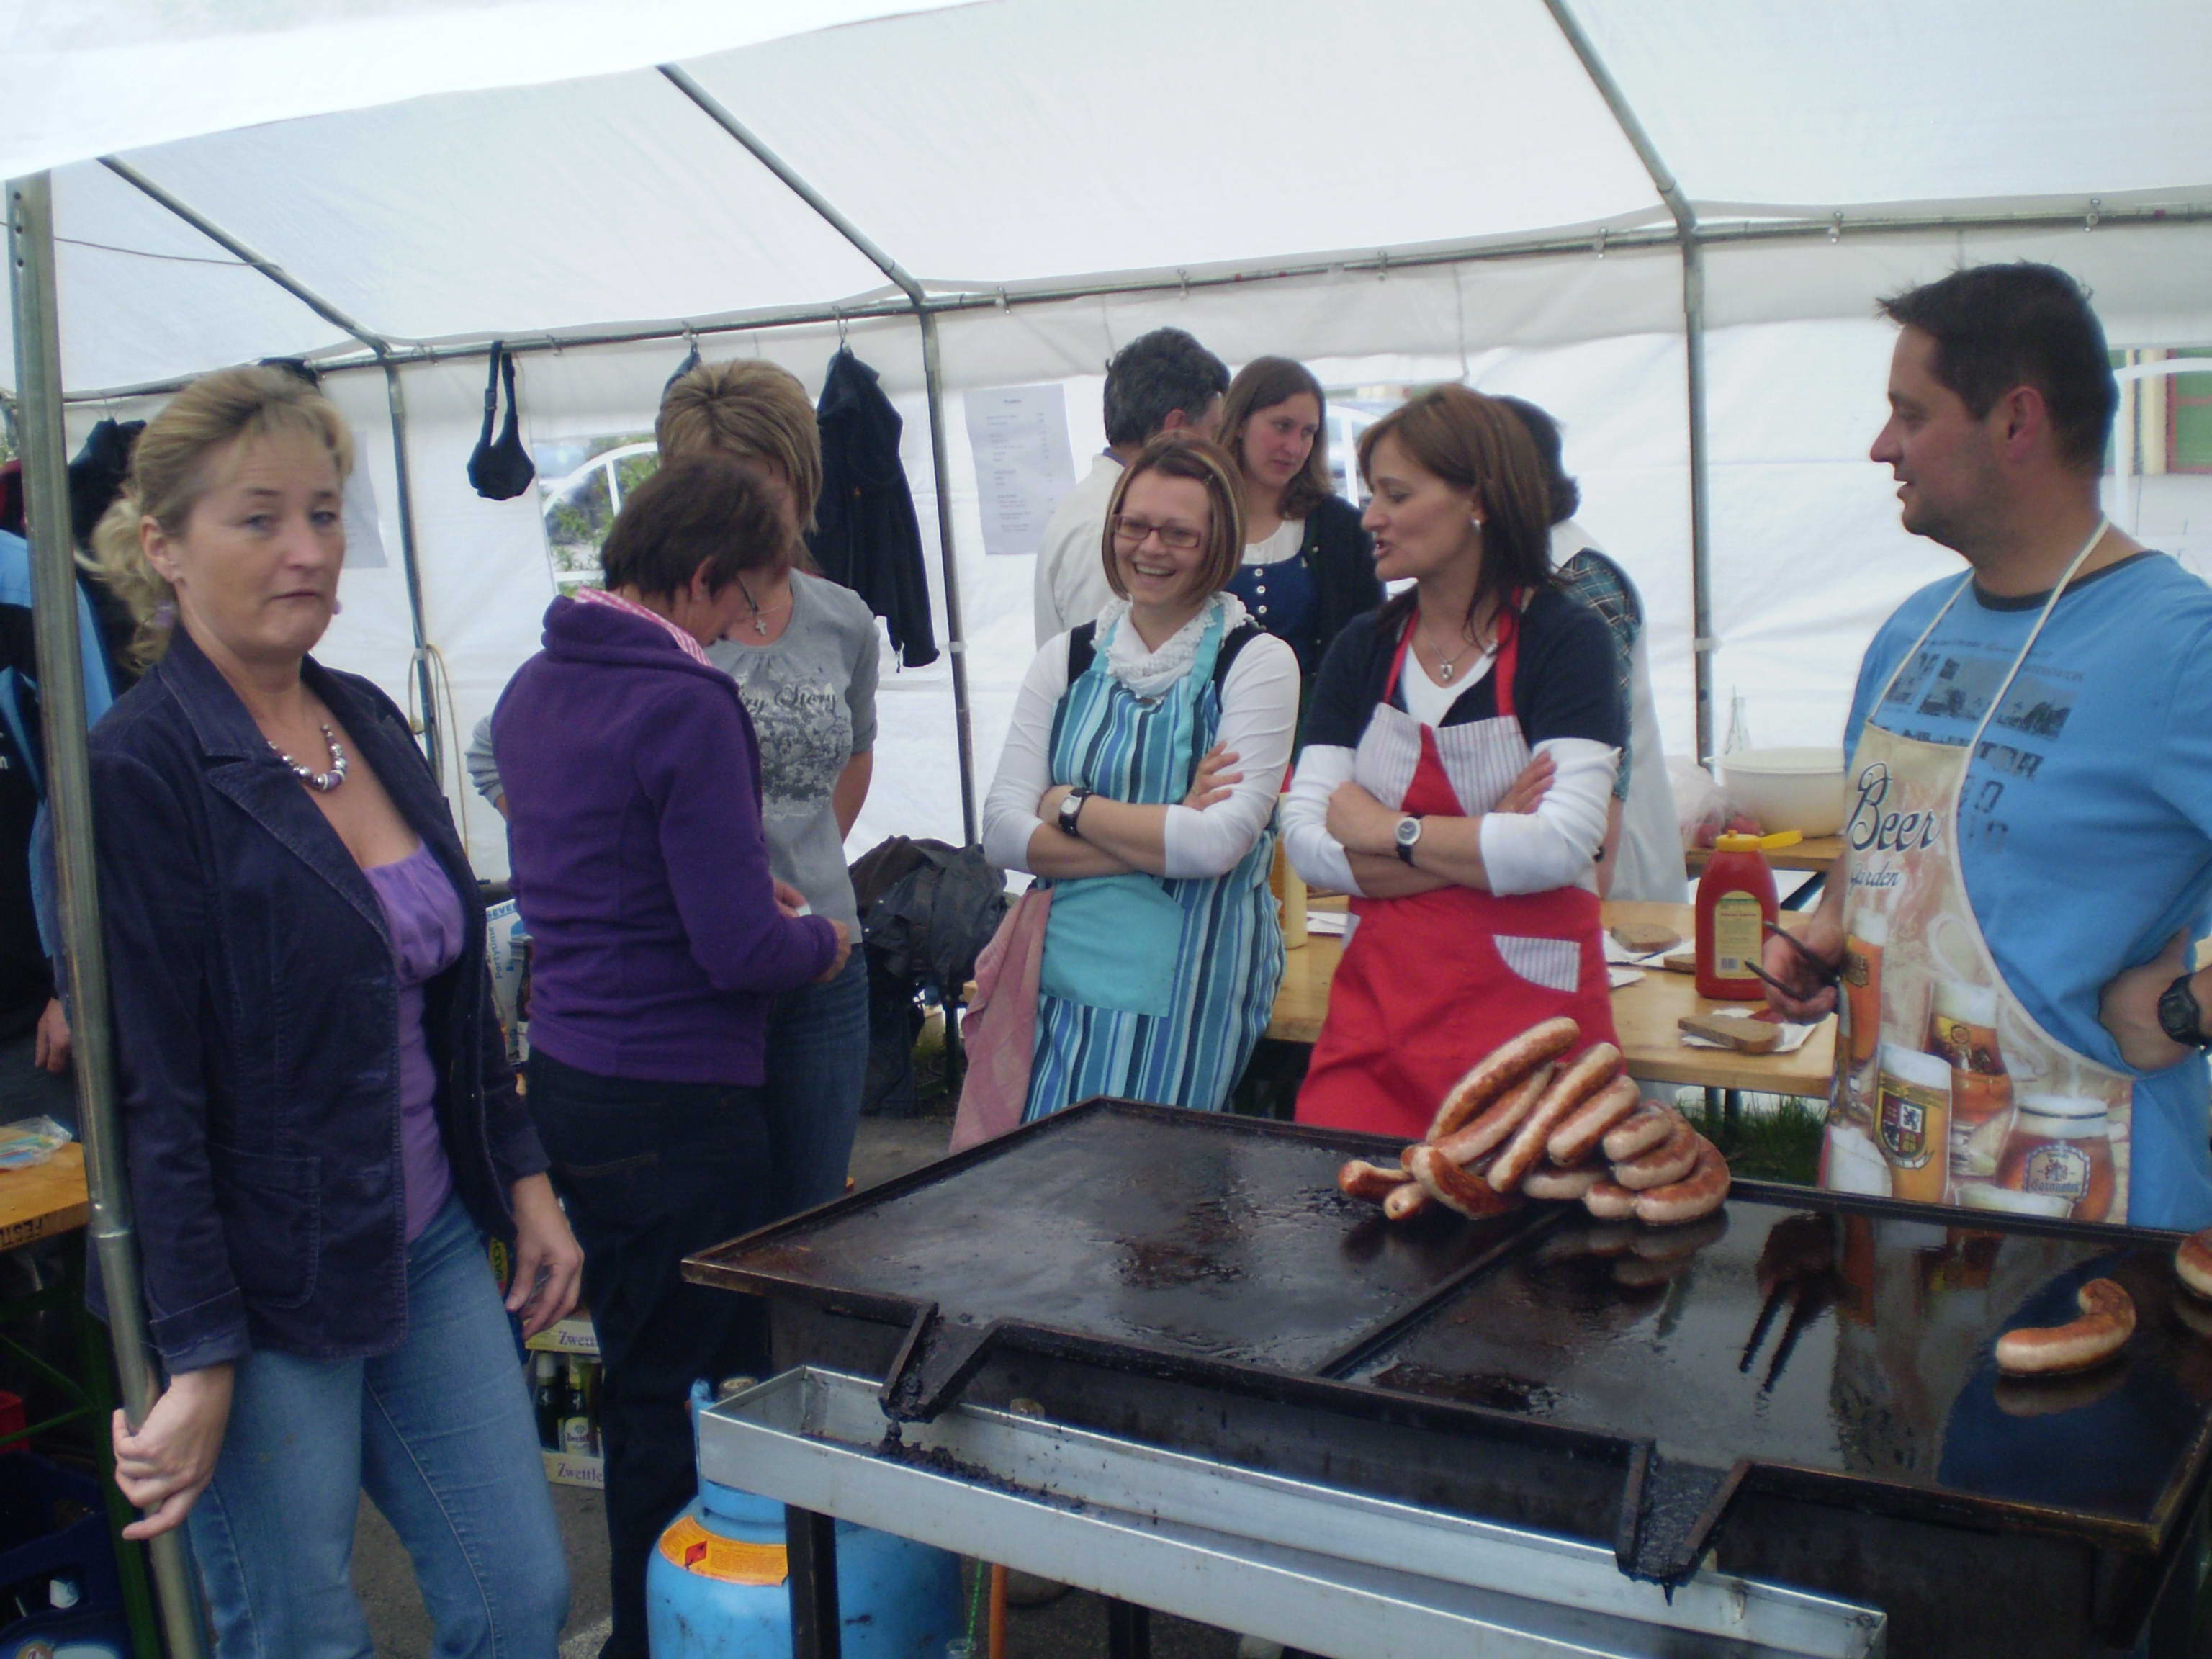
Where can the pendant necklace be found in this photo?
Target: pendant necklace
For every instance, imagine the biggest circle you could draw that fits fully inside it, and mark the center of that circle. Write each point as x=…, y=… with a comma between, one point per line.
x=321, y=782
x=760, y=616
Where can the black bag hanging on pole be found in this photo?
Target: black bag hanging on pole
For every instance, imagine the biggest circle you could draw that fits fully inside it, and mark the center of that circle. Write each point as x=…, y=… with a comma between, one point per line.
x=501, y=471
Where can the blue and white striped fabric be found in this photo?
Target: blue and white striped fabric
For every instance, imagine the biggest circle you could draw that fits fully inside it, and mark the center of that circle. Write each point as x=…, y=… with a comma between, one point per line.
x=1230, y=959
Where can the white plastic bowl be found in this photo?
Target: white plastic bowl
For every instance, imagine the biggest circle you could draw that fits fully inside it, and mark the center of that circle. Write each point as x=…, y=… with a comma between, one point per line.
x=1800, y=789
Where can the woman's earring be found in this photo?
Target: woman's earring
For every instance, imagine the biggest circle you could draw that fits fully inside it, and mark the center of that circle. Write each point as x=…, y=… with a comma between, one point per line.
x=1475, y=519
x=336, y=605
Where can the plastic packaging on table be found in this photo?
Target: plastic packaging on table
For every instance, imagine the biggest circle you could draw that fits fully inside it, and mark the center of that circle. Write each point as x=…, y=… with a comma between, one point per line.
x=30, y=1140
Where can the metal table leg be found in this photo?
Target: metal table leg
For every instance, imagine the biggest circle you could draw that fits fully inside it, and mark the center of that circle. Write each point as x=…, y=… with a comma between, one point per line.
x=1129, y=1631
x=811, y=1539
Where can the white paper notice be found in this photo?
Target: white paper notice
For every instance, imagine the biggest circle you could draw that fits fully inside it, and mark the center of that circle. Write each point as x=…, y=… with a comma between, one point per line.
x=1023, y=462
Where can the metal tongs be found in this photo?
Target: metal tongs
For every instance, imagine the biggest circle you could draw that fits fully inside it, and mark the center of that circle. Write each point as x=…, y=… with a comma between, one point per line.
x=1823, y=974
x=1798, y=1263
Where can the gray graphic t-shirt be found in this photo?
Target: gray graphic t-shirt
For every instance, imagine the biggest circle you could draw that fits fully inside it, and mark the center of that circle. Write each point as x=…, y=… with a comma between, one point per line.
x=812, y=694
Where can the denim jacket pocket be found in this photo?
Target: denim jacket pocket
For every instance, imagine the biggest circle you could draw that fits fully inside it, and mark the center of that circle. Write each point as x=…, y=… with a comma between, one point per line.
x=272, y=1213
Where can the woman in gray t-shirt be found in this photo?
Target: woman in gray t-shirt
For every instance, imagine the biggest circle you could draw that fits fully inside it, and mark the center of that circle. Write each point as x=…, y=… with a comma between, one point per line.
x=803, y=656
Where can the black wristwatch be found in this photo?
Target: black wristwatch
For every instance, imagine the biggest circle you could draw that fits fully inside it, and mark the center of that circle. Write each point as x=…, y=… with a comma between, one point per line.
x=1071, y=808
x=2179, y=1017
x=1408, y=836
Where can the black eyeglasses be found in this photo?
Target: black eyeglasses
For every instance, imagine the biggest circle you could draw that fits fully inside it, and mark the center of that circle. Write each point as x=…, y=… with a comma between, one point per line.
x=1132, y=532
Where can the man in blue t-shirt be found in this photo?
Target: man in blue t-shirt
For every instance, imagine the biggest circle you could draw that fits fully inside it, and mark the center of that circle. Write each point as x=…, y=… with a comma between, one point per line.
x=2083, y=837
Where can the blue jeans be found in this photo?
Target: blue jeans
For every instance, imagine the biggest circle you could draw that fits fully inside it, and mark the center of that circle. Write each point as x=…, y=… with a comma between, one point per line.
x=817, y=1064
x=440, y=1435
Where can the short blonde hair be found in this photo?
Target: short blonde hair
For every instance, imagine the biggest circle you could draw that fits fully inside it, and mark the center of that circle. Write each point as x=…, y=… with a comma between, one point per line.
x=169, y=474
x=1176, y=455
x=750, y=409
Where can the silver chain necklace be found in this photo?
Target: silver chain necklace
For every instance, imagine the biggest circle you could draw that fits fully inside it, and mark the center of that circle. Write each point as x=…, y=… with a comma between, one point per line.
x=321, y=782
x=761, y=617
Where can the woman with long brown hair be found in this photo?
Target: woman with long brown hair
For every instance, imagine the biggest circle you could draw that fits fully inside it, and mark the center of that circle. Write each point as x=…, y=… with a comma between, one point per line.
x=1308, y=565
x=1458, y=763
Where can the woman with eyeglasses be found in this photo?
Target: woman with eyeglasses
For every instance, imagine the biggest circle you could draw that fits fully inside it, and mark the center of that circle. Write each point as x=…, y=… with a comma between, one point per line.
x=1456, y=775
x=1309, y=564
x=1139, y=778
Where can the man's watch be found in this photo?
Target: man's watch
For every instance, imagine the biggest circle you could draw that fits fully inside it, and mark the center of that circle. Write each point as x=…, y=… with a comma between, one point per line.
x=1408, y=835
x=2179, y=1017
x=1071, y=808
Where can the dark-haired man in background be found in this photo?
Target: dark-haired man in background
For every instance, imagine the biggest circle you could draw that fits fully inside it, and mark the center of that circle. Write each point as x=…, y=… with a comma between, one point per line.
x=2029, y=789
x=1162, y=382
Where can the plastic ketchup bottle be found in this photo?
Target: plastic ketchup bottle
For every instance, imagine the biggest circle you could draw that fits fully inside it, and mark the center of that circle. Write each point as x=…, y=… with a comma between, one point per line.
x=1735, y=901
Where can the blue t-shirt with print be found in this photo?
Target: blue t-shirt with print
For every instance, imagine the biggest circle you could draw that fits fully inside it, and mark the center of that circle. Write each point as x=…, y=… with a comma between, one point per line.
x=2085, y=825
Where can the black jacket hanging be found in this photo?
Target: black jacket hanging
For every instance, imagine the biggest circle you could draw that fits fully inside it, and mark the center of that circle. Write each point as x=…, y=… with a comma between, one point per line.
x=501, y=471
x=867, y=536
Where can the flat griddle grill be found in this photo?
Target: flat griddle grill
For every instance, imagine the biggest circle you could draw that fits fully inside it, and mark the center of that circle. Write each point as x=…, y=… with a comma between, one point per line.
x=1814, y=1390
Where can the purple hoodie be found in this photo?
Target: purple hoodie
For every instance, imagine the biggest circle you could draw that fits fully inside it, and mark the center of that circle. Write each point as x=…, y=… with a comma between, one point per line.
x=633, y=796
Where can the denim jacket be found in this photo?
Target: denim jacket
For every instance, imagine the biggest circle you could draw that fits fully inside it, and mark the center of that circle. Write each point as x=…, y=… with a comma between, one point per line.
x=256, y=1026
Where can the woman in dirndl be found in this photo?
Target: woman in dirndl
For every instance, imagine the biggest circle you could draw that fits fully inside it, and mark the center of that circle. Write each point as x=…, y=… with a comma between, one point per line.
x=1139, y=779
x=1459, y=756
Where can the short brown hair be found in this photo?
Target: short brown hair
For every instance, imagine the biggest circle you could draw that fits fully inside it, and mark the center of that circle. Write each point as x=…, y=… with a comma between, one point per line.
x=1176, y=455
x=1262, y=383
x=1477, y=443
x=749, y=409
x=169, y=474
x=701, y=510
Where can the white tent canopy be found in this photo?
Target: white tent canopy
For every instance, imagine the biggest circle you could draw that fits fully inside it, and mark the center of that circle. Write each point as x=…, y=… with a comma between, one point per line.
x=1400, y=190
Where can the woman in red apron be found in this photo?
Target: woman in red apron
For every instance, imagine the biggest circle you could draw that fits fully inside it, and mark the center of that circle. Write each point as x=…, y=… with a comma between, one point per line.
x=1459, y=757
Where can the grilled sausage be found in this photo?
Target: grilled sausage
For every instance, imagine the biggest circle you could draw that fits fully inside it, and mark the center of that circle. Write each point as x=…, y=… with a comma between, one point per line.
x=1406, y=1201
x=1500, y=1069
x=1608, y=1200
x=2108, y=1321
x=1670, y=1161
x=1463, y=1145
x=1638, y=1133
x=1372, y=1182
x=1574, y=1141
x=1457, y=1189
x=1592, y=1069
x=1699, y=1192
x=2193, y=1261
x=1556, y=1185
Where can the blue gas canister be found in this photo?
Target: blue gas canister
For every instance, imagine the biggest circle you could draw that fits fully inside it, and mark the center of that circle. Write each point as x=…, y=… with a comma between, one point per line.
x=716, y=1586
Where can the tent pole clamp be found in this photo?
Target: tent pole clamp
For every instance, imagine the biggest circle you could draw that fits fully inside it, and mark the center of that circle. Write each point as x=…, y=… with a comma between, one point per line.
x=1836, y=227
x=1597, y=243
x=2096, y=212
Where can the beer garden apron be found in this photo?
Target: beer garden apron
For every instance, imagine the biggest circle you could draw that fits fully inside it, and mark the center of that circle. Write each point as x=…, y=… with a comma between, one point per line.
x=1946, y=1088
x=1430, y=983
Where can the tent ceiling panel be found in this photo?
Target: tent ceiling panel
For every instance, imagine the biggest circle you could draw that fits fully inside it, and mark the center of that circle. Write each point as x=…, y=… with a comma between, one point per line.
x=144, y=295
x=515, y=211
x=1900, y=101
x=1028, y=139
x=93, y=77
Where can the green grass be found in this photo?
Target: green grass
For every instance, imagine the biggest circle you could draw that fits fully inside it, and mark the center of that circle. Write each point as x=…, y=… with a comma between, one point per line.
x=1773, y=1138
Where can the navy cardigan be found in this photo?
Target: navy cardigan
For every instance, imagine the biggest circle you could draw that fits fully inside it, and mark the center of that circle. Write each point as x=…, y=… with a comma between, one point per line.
x=256, y=1022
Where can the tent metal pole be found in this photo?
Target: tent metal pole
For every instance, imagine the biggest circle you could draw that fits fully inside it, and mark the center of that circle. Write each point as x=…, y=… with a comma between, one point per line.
x=69, y=780
x=1548, y=246
x=425, y=681
x=932, y=378
x=1702, y=643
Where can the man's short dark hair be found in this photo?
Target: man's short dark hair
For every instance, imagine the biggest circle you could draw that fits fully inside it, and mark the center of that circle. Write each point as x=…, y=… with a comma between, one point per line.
x=2000, y=326
x=1544, y=431
x=1154, y=375
x=702, y=509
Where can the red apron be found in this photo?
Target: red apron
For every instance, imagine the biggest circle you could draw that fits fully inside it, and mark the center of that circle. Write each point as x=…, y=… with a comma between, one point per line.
x=1430, y=984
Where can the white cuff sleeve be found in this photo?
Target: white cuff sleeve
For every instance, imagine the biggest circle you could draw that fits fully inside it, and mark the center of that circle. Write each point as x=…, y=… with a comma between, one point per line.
x=1259, y=718
x=1314, y=853
x=1555, y=846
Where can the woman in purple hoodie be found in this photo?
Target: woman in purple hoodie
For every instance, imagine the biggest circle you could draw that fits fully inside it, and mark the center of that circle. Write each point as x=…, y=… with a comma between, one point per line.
x=633, y=791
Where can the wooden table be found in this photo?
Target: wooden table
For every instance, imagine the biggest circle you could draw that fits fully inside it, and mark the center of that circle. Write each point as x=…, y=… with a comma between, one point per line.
x=1817, y=853
x=1644, y=1013
x=44, y=1200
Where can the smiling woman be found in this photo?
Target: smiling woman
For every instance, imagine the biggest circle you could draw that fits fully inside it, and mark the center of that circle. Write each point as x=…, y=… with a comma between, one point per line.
x=317, y=1116
x=1139, y=778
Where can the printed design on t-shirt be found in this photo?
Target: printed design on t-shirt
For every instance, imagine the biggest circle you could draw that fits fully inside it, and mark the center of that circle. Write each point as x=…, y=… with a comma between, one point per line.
x=805, y=728
x=1940, y=696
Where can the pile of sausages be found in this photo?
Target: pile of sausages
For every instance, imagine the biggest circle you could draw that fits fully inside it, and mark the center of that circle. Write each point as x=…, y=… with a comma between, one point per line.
x=1525, y=1120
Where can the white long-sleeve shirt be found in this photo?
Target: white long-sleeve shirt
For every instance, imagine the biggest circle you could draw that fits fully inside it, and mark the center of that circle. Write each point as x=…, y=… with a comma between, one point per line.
x=1259, y=719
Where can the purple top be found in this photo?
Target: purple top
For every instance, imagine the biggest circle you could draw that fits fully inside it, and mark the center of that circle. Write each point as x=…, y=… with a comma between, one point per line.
x=423, y=914
x=634, y=830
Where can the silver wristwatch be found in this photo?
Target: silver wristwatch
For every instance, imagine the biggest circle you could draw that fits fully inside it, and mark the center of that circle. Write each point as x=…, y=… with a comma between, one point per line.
x=1408, y=836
